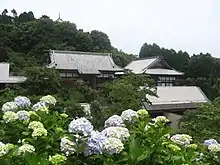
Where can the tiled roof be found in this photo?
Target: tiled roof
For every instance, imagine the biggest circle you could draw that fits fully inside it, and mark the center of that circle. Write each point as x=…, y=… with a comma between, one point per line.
x=141, y=66
x=172, y=97
x=5, y=76
x=13, y=79
x=84, y=62
x=138, y=66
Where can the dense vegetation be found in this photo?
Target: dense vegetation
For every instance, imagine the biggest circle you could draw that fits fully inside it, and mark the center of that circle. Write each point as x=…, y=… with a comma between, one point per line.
x=37, y=134
x=25, y=41
x=201, y=70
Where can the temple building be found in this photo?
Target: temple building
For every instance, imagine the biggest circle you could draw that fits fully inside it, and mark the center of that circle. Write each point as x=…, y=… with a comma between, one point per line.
x=88, y=66
x=173, y=101
x=157, y=68
x=6, y=79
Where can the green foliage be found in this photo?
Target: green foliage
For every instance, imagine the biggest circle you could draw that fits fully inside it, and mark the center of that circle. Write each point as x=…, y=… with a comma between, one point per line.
x=30, y=38
x=146, y=142
x=202, y=123
x=41, y=81
x=200, y=70
x=125, y=93
x=178, y=60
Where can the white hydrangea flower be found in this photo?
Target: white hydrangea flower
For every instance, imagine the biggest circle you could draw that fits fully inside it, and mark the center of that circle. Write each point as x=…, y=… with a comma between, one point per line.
x=160, y=119
x=67, y=146
x=142, y=113
x=214, y=147
x=35, y=124
x=117, y=132
x=57, y=159
x=48, y=100
x=23, y=115
x=112, y=146
x=10, y=116
x=181, y=139
x=9, y=106
x=86, y=109
x=81, y=126
x=128, y=115
x=114, y=121
x=5, y=148
x=26, y=148
x=147, y=127
x=38, y=132
x=22, y=102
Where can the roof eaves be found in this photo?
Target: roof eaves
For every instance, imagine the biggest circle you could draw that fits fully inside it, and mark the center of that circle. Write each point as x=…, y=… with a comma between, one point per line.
x=203, y=94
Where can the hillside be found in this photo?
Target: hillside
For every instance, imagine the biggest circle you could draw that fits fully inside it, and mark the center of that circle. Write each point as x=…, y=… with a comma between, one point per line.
x=25, y=41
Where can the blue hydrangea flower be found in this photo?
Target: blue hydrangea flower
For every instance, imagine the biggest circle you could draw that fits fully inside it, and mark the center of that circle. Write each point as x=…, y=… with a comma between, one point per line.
x=81, y=126
x=210, y=142
x=40, y=106
x=22, y=102
x=23, y=115
x=95, y=143
x=9, y=106
x=114, y=121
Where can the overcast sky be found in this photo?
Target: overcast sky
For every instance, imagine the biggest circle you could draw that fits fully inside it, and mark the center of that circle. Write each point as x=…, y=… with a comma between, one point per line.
x=188, y=25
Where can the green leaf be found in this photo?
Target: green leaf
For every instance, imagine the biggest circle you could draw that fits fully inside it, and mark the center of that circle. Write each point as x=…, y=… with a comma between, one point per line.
x=174, y=158
x=25, y=133
x=135, y=149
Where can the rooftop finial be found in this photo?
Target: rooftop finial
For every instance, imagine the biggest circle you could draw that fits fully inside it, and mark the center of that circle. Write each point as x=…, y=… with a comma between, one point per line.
x=59, y=19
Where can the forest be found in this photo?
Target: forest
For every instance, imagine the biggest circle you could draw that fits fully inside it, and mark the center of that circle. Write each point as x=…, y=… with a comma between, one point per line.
x=25, y=41
x=57, y=130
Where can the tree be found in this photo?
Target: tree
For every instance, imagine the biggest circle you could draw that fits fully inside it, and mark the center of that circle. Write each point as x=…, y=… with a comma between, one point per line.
x=149, y=50
x=121, y=58
x=4, y=18
x=84, y=41
x=202, y=65
x=125, y=93
x=25, y=17
x=202, y=123
x=41, y=81
x=100, y=41
x=14, y=12
x=177, y=60
x=5, y=12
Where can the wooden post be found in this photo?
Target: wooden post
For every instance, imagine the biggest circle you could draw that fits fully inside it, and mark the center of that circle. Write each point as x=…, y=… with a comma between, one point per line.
x=93, y=81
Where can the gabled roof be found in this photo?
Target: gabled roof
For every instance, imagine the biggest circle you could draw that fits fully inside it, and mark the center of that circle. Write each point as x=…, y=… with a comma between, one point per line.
x=144, y=65
x=83, y=62
x=176, y=97
x=5, y=76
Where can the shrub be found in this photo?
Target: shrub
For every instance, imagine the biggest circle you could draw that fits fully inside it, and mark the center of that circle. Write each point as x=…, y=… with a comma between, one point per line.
x=39, y=135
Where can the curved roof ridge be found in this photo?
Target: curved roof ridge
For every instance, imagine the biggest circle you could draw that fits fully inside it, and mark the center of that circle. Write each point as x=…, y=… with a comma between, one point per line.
x=80, y=52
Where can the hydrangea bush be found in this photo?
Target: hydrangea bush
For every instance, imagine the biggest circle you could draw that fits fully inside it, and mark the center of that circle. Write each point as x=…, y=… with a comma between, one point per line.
x=36, y=134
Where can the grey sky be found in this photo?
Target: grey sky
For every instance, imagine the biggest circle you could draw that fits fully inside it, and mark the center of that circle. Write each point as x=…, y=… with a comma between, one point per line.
x=188, y=25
